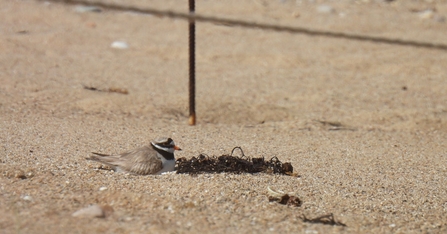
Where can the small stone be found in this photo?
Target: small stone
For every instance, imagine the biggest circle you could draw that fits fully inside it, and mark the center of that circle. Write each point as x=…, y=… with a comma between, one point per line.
x=93, y=211
x=309, y=231
x=440, y=19
x=108, y=210
x=325, y=9
x=19, y=174
x=103, y=188
x=295, y=14
x=126, y=219
x=27, y=198
x=30, y=174
x=119, y=45
x=90, y=24
x=426, y=14
x=83, y=9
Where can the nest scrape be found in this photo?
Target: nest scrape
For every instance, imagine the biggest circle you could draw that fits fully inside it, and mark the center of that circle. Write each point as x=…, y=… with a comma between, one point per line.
x=233, y=164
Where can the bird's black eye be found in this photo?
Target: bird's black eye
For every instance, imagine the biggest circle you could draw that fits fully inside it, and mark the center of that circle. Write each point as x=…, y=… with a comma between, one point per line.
x=167, y=143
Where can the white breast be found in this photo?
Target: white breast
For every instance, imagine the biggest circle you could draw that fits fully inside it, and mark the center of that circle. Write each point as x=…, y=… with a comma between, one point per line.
x=168, y=165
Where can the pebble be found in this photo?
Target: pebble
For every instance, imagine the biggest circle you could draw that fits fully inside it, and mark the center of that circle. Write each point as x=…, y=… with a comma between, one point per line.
x=83, y=9
x=127, y=219
x=309, y=231
x=19, y=174
x=426, y=14
x=103, y=188
x=30, y=174
x=325, y=9
x=120, y=45
x=27, y=198
x=295, y=14
x=440, y=19
x=93, y=211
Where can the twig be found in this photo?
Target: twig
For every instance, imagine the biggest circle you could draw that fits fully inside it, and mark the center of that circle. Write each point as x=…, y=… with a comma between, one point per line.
x=324, y=219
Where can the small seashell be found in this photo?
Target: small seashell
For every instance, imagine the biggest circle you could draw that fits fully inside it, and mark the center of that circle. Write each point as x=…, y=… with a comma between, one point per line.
x=426, y=14
x=93, y=211
x=83, y=9
x=274, y=193
x=26, y=198
x=325, y=9
x=30, y=174
x=119, y=45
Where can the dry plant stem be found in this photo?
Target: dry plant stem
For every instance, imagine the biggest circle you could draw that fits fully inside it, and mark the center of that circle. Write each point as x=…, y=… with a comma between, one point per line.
x=324, y=219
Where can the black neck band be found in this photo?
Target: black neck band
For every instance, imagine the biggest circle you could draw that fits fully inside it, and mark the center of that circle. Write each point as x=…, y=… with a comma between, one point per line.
x=165, y=154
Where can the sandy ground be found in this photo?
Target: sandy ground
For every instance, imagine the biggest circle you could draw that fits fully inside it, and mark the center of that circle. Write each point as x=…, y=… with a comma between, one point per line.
x=274, y=94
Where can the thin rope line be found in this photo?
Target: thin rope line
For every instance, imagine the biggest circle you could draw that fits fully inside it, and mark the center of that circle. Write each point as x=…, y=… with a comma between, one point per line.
x=247, y=24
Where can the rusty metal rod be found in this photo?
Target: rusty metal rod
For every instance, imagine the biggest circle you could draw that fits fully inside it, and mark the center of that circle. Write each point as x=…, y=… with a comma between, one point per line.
x=192, y=67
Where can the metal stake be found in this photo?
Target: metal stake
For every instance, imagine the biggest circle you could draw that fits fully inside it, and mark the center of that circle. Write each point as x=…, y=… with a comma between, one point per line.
x=192, y=68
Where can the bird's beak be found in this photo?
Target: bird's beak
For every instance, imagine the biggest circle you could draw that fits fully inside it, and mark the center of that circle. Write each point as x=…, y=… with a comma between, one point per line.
x=177, y=148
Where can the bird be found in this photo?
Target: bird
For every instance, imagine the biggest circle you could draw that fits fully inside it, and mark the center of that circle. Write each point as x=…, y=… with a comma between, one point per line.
x=147, y=160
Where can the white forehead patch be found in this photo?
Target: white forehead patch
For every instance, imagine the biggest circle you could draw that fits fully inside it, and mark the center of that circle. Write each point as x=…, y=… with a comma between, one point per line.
x=167, y=149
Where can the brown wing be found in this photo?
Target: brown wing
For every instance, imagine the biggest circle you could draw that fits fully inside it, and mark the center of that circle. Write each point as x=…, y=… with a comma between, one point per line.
x=142, y=161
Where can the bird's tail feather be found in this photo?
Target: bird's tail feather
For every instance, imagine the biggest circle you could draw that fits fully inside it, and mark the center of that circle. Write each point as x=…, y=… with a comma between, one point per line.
x=109, y=160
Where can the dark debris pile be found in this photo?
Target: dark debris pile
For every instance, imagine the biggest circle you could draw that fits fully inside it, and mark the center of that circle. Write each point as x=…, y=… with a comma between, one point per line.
x=234, y=164
x=286, y=199
x=328, y=219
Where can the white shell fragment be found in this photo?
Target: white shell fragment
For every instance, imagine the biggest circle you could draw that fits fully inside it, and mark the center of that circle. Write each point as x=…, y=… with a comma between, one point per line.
x=83, y=9
x=93, y=211
x=275, y=193
x=26, y=198
x=426, y=14
x=119, y=45
x=326, y=9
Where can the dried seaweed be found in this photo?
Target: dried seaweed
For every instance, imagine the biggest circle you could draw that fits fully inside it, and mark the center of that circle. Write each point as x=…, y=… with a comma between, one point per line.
x=283, y=198
x=286, y=199
x=324, y=219
x=233, y=164
x=109, y=90
x=335, y=125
